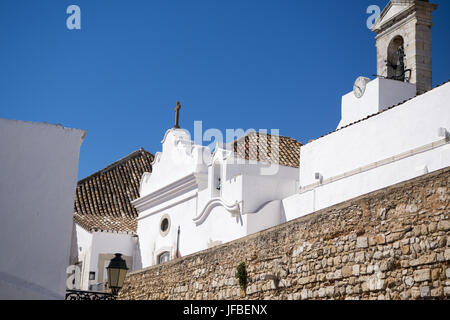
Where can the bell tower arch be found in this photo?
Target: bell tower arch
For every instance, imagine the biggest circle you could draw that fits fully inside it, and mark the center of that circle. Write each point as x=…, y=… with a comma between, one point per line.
x=395, y=62
x=403, y=40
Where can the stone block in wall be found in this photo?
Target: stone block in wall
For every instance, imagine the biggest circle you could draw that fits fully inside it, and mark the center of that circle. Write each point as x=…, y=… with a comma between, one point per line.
x=447, y=291
x=444, y=225
x=425, y=291
x=376, y=283
x=362, y=242
x=409, y=281
x=424, y=259
x=360, y=257
x=347, y=271
x=437, y=292
x=447, y=255
x=436, y=274
x=422, y=275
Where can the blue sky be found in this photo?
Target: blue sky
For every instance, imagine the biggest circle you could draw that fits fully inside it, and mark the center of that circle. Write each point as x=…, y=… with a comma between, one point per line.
x=280, y=64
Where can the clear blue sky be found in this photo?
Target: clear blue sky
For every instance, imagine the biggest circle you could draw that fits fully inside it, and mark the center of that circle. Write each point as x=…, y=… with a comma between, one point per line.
x=279, y=64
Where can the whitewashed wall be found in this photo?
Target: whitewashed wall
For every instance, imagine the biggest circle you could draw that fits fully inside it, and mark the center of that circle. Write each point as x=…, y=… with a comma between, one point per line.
x=404, y=138
x=379, y=95
x=259, y=190
x=84, y=247
x=92, y=244
x=38, y=177
x=220, y=226
x=182, y=187
x=109, y=243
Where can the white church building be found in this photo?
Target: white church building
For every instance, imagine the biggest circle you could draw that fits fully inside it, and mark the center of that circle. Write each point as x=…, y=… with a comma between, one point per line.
x=393, y=128
x=195, y=199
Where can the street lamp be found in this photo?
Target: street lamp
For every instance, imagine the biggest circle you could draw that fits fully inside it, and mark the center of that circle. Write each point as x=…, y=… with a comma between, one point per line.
x=117, y=269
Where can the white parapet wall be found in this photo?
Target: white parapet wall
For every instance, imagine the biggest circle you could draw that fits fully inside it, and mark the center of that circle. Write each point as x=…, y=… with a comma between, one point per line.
x=38, y=177
x=379, y=95
x=104, y=246
x=95, y=249
x=398, y=144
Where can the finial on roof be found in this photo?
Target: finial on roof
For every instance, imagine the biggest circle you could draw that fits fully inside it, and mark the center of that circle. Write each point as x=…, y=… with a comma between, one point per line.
x=177, y=117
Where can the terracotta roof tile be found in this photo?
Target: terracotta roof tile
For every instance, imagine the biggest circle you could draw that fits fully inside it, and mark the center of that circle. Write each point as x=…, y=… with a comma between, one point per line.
x=103, y=200
x=268, y=148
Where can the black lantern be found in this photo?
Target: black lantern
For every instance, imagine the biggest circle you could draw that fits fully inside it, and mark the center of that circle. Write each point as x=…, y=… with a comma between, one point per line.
x=117, y=270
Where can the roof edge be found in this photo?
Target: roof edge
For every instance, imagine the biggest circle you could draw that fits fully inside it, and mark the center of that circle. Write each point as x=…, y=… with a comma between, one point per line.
x=117, y=163
x=375, y=114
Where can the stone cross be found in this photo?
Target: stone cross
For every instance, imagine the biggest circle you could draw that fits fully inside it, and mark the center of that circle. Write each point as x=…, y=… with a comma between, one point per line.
x=177, y=118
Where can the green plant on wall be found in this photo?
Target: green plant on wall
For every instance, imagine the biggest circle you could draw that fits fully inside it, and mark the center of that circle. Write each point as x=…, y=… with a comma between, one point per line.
x=241, y=275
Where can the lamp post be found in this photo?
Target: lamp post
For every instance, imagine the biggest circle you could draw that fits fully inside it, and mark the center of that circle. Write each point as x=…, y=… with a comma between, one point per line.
x=117, y=270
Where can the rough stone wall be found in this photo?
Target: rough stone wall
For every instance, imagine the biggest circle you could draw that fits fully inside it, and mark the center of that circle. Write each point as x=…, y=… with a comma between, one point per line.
x=390, y=244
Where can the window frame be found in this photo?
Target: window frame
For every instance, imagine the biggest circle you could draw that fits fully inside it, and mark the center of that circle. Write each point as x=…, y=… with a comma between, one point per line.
x=163, y=254
x=169, y=223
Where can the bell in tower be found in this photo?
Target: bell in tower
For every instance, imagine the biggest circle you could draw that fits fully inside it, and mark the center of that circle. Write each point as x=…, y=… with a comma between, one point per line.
x=395, y=63
x=404, y=42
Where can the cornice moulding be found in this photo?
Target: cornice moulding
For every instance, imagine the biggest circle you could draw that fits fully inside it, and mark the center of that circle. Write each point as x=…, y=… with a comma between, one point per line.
x=170, y=191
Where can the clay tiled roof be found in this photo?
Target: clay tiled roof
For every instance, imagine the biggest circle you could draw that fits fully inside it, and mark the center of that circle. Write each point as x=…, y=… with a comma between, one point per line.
x=263, y=147
x=103, y=200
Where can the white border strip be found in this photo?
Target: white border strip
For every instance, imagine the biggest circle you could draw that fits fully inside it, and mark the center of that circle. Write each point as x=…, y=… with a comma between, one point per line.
x=377, y=164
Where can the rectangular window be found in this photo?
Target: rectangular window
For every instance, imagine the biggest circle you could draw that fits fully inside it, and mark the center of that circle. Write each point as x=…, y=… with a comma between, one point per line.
x=91, y=275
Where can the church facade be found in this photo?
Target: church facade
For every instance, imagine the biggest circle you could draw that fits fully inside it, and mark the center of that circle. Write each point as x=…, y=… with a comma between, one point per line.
x=196, y=199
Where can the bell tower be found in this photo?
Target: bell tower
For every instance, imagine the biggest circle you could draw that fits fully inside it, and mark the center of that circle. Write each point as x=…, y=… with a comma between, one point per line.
x=403, y=42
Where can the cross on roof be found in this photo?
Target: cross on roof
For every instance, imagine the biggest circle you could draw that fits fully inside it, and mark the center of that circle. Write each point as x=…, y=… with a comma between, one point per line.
x=177, y=117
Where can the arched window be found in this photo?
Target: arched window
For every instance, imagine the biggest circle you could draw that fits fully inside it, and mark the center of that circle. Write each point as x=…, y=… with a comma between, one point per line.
x=396, y=62
x=163, y=257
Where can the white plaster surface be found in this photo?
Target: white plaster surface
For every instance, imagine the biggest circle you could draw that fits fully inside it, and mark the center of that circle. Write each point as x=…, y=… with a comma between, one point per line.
x=38, y=176
x=380, y=94
x=183, y=186
x=405, y=132
x=92, y=244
